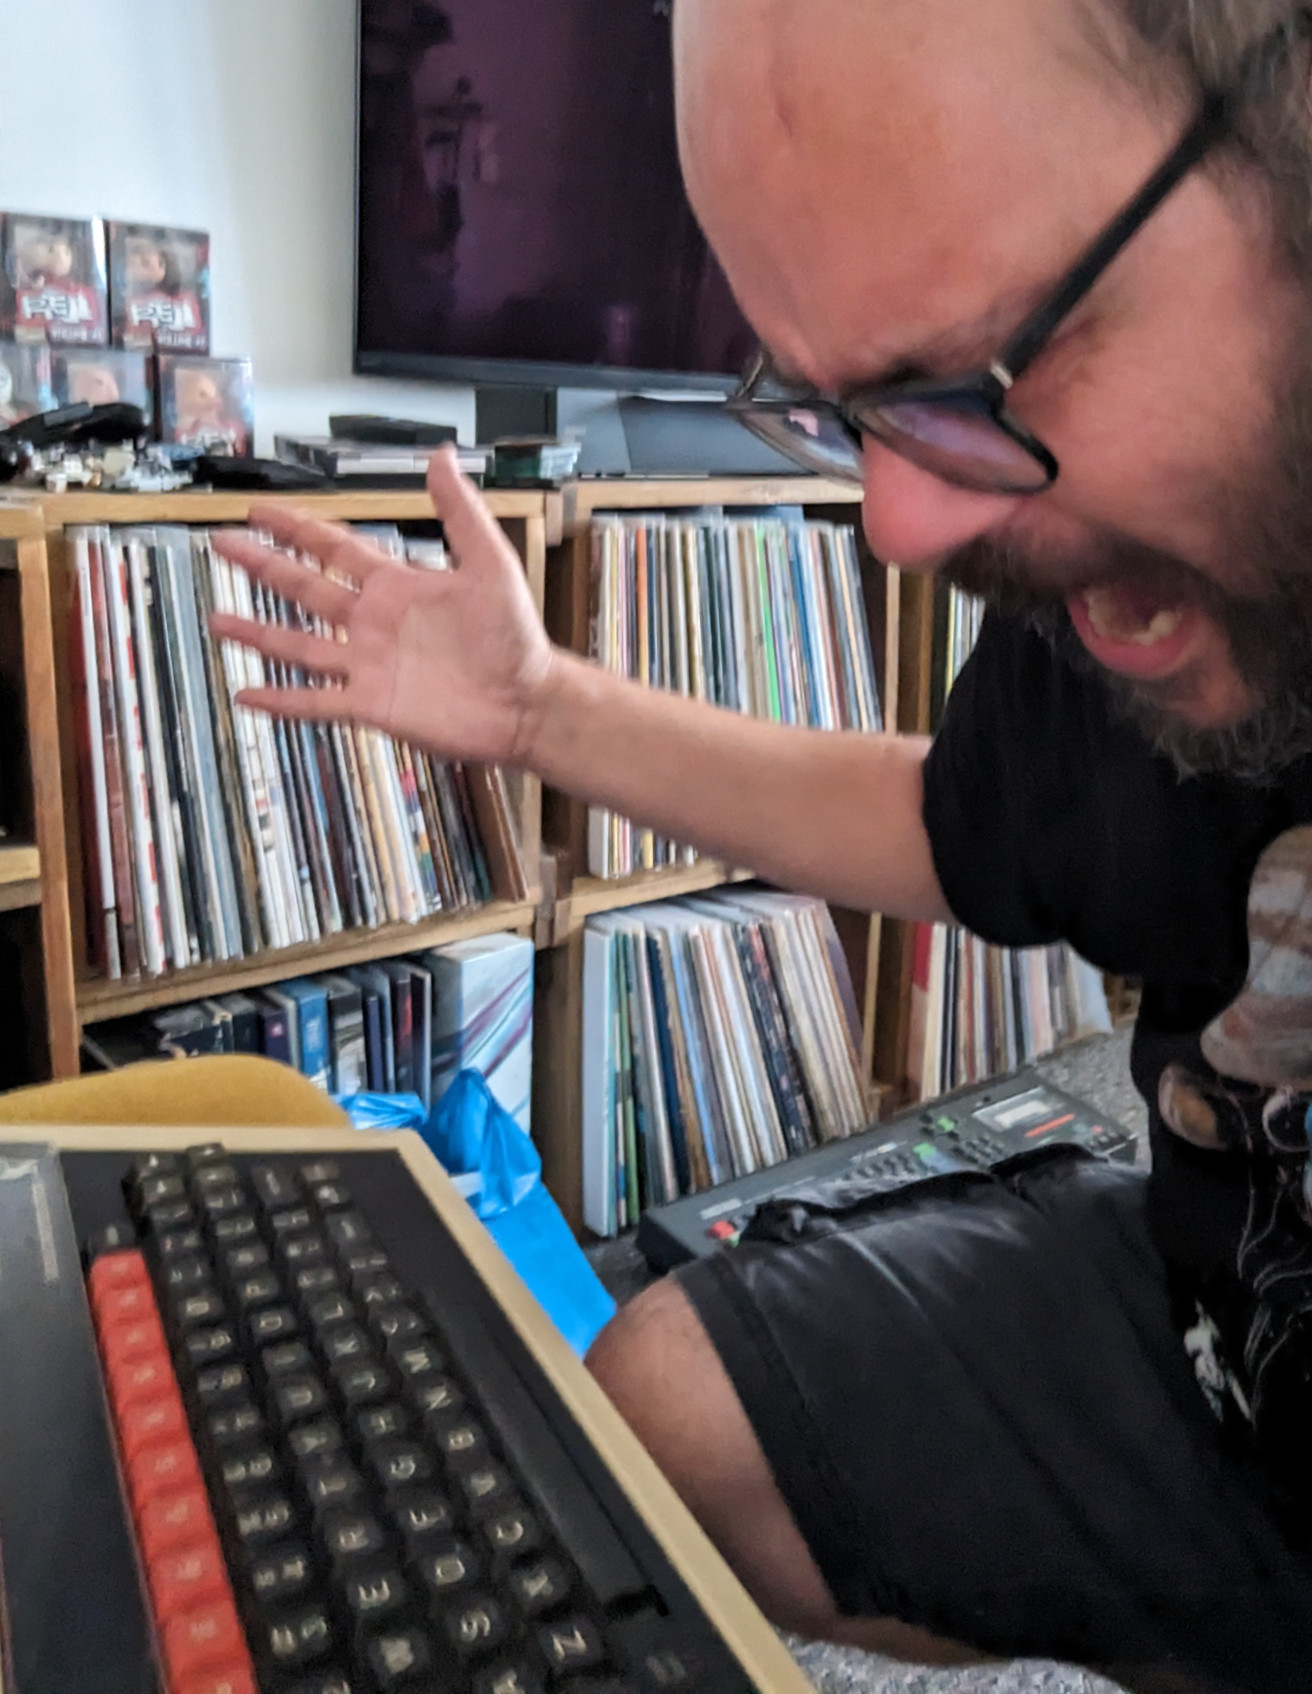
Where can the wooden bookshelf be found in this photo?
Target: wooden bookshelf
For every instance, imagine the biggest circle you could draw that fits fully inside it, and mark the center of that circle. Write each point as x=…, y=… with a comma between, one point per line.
x=533, y=522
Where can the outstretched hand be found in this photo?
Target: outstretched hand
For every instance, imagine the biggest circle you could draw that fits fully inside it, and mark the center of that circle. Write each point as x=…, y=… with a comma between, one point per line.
x=454, y=661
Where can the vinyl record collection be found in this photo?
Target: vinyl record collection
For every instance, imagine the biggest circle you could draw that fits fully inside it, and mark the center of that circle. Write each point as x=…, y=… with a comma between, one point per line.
x=210, y=832
x=761, y=613
x=977, y=1010
x=720, y=1035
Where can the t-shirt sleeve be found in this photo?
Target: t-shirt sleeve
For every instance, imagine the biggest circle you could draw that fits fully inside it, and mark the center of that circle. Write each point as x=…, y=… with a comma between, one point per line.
x=995, y=789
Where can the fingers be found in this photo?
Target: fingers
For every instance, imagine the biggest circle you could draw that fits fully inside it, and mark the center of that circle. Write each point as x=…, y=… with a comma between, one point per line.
x=334, y=545
x=284, y=646
x=309, y=704
x=287, y=576
x=474, y=534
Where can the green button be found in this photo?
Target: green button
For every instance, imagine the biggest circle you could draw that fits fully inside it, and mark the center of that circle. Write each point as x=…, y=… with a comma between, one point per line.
x=946, y=1123
x=926, y=1152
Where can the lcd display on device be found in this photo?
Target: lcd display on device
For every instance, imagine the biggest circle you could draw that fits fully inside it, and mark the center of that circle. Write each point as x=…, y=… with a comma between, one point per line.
x=519, y=198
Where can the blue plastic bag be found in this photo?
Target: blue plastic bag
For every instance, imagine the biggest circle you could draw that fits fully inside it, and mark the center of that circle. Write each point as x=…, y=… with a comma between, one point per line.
x=485, y=1150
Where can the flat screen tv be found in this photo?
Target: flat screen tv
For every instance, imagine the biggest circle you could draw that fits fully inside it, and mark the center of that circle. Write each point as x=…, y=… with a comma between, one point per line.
x=520, y=215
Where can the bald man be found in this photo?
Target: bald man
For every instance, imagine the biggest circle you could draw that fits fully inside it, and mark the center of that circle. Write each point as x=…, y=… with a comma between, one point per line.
x=1037, y=272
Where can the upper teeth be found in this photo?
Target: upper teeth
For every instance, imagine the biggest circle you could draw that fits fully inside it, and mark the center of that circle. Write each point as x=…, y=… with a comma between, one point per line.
x=1107, y=609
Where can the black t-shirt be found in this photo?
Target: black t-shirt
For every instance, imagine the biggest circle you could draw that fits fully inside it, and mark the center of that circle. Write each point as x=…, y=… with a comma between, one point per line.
x=1051, y=818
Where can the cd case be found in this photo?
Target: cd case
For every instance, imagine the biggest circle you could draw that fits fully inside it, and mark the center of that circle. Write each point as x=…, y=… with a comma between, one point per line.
x=206, y=403
x=159, y=287
x=53, y=287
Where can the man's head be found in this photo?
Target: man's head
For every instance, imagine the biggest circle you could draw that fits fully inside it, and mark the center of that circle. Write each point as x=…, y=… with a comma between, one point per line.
x=892, y=184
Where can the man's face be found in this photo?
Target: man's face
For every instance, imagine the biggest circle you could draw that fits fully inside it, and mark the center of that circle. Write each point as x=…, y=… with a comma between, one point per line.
x=891, y=185
x=146, y=264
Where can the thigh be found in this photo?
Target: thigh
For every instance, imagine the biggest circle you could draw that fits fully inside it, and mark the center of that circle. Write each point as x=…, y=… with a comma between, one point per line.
x=976, y=1407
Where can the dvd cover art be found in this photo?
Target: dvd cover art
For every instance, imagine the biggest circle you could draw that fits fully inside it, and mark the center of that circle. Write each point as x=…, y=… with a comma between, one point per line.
x=25, y=385
x=206, y=403
x=159, y=287
x=103, y=376
x=53, y=285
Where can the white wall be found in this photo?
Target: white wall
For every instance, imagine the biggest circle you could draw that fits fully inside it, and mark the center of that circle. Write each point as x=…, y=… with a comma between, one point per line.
x=236, y=116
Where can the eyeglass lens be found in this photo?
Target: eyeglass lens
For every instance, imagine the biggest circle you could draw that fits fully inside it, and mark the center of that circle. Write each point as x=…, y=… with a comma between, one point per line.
x=959, y=444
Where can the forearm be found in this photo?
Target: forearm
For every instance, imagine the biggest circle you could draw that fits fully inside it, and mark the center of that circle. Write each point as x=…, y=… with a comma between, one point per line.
x=837, y=815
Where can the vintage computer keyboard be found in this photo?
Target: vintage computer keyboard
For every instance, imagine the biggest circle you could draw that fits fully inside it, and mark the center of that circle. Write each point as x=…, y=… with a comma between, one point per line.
x=971, y=1130
x=276, y=1416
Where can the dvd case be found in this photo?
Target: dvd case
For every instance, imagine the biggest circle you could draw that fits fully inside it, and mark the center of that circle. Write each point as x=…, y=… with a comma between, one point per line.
x=53, y=272
x=159, y=287
x=102, y=376
x=206, y=402
x=25, y=385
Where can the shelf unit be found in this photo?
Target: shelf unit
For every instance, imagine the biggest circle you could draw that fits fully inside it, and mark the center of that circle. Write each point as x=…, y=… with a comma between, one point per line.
x=77, y=997
x=557, y=1078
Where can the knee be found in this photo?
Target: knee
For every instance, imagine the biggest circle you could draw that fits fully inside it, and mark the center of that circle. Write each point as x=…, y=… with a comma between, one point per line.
x=651, y=1346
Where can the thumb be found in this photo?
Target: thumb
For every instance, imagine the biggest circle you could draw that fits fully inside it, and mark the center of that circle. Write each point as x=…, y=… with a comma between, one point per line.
x=475, y=536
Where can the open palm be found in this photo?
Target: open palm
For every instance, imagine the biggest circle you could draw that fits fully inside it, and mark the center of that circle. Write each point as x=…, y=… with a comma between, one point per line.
x=452, y=661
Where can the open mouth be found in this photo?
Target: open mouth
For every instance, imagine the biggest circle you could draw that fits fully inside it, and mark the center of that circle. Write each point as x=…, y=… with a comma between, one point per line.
x=1136, y=631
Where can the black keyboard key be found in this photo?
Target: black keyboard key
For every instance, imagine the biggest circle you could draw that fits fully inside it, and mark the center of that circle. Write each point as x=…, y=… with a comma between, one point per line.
x=379, y=1288
x=235, y=1425
x=297, y=1250
x=539, y=1586
x=460, y=1439
x=269, y=1324
x=363, y=1384
x=194, y=1310
x=168, y=1216
x=210, y=1346
x=331, y=1196
x=245, y=1259
x=183, y=1276
x=439, y=1396
x=446, y=1569
x=235, y=1230
x=330, y=1481
x=423, y=1518
x=321, y=1170
x=224, y=1200
x=329, y=1308
x=221, y=1386
x=275, y=1188
x=346, y=1230
x=297, y=1397
x=284, y=1573
x=327, y=1682
x=179, y=1244
x=249, y=1467
x=259, y=1520
x=377, y=1423
x=397, y=1323
x=476, y=1627
x=153, y=1164
x=349, y=1536
x=415, y=1361
x=159, y=1190
x=262, y=1289
x=571, y=1644
x=345, y=1343
x=287, y=1358
x=295, y=1221
x=373, y=1593
x=516, y=1676
x=204, y=1153
x=484, y=1488
x=216, y=1174
x=399, y=1659
x=320, y=1436
x=657, y=1655
x=294, y=1639
x=399, y=1464
x=315, y=1279
x=512, y=1533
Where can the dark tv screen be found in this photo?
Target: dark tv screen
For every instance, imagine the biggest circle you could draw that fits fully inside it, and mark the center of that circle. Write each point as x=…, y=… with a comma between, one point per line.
x=520, y=198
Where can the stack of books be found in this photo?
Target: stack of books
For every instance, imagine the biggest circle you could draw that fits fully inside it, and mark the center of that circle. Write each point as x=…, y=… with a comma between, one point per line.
x=720, y=1035
x=760, y=613
x=210, y=832
x=978, y=1010
x=403, y=1026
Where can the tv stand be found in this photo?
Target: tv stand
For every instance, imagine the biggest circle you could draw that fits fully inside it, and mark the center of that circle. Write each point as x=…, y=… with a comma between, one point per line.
x=631, y=434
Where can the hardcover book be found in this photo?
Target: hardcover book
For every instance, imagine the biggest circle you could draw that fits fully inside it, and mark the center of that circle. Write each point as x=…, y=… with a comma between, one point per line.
x=483, y=1017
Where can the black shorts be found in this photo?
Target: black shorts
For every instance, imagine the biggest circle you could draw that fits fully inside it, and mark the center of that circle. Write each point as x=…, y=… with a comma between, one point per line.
x=977, y=1405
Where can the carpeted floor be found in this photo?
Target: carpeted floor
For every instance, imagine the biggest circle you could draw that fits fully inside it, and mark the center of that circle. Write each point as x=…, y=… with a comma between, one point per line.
x=1099, y=1071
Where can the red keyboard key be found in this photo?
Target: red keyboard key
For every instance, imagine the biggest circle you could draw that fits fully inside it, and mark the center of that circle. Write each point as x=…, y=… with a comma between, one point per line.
x=173, y=1520
x=139, y=1380
x=116, y=1270
x=123, y=1343
x=182, y=1580
x=235, y=1678
x=204, y=1639
x=151, y=1422
x=162, y=1470
x=125, y=1304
